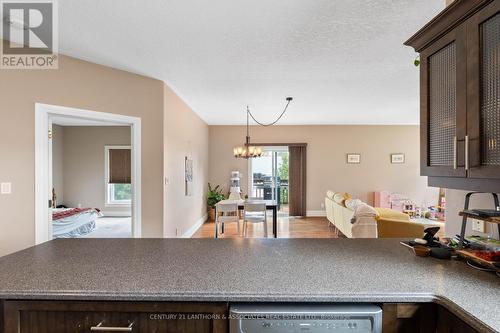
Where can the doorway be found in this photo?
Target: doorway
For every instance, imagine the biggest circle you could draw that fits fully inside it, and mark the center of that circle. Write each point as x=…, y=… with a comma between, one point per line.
x=46, y=118
x=268, y=177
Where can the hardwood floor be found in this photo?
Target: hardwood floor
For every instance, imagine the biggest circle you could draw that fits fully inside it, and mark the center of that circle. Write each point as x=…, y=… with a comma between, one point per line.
x=309, y=227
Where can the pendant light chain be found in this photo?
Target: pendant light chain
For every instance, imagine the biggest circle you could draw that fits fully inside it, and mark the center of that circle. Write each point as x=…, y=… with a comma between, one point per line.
x=288, y=100
x=249, y=151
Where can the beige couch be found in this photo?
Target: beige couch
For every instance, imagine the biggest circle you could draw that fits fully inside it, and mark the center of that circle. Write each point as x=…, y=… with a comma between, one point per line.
x=338, y=215
x=386, y=223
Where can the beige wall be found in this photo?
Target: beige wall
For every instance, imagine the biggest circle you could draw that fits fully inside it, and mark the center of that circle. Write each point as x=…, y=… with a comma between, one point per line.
x=185, y=135
x=82, y=85
x=326, y=159
x=57, y=162
x=84, y=178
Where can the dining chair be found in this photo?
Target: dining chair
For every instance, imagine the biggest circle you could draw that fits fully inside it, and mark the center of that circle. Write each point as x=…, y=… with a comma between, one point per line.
x=226, y=212
x=254, y=212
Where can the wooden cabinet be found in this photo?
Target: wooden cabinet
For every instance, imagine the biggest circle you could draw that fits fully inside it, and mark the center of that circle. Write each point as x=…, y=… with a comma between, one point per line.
x=483, y=93
x=147, y=317
x=447, y=322
x=422, y=317
x=183, y=317
x=460, y=95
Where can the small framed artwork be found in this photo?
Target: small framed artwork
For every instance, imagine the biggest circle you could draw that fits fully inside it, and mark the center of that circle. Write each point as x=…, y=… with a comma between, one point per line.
x=188, y=172
x=398, y=158
x=353, y=158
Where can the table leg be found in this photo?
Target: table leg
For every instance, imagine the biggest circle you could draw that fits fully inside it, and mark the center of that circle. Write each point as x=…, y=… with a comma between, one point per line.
x=275, y=222
x=215, y=223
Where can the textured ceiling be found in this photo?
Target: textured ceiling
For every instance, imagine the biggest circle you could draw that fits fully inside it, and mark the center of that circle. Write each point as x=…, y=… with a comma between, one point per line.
x=343, y=61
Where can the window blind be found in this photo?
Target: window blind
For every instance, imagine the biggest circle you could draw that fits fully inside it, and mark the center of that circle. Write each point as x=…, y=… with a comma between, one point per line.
x=119, y=166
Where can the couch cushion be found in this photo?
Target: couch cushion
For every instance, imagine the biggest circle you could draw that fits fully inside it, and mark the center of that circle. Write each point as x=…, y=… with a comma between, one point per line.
x=395, y=228
x=387, y=213
x=330, y=194
x=339, y=198
x=352, y=203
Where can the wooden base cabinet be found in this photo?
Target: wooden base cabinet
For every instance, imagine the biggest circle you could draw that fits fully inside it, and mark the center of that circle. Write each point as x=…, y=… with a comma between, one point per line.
x=181, y=317
x=460, y=94
x=421, y=317
x=147, y=317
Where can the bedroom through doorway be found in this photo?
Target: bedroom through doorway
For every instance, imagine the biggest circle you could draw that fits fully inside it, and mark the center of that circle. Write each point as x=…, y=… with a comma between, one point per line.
x=90, y=177
x=91, y=185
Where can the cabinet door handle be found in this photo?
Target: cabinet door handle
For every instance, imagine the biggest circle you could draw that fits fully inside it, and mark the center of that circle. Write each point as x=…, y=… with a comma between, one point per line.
x=466, y=152
x=101, y=328
x=455, y=152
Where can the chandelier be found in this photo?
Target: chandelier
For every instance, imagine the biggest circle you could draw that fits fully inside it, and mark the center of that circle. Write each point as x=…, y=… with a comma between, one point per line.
x=247, y=150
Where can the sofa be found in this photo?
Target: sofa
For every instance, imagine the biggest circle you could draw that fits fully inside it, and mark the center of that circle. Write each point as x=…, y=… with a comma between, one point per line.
x=370, y=222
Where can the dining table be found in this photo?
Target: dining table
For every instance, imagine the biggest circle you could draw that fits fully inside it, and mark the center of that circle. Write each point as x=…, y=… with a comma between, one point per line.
x=271, y=205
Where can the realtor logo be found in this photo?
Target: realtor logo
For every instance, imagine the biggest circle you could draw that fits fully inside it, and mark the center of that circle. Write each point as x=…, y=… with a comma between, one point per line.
x=29, y=33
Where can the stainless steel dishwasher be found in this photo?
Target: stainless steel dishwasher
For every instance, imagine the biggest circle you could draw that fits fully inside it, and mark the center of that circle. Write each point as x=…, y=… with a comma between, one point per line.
x=314, y=318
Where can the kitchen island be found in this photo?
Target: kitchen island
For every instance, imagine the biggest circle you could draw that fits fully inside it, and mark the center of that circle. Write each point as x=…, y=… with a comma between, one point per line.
x=222, y=271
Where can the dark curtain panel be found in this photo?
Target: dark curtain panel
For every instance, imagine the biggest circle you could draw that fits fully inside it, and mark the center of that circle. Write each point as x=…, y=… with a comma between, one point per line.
x=297, y=181
x=119, y=166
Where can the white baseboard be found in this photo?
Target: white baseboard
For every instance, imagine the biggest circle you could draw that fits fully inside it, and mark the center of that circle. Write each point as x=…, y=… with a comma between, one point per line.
x=316, y=213
x=116, y=214
x=190, y=232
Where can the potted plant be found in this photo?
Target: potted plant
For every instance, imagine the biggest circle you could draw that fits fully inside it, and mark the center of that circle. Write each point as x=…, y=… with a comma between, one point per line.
x=214, y=195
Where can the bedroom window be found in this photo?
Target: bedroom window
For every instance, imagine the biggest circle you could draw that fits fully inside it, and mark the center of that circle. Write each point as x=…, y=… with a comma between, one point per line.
x=118, y=175
x=120, y=194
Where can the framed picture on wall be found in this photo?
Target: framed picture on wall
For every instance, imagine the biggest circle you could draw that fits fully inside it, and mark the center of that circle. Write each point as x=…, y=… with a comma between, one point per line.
x=353, y=158
x=188, y=164
x=398, y=158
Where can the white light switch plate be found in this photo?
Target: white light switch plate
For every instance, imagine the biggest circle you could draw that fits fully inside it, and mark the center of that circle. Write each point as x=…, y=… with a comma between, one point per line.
x=478, y=225
x=6, y=188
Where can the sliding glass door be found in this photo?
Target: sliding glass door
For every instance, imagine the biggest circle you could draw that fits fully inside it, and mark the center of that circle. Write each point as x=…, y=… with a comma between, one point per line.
x=268, y=176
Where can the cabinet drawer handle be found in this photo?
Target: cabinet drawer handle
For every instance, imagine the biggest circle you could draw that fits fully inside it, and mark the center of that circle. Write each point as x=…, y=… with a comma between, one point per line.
x=101, y=328
x=466, y=152
x=455, y=152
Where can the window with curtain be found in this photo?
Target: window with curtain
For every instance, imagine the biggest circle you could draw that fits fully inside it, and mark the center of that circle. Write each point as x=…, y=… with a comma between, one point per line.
x=118, y=175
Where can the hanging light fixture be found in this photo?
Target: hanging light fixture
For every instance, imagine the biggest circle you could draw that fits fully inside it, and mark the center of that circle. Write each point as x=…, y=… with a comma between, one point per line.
x=247, y=150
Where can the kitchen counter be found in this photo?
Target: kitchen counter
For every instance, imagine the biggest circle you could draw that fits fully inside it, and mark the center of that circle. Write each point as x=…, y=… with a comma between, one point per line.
x=268, y=270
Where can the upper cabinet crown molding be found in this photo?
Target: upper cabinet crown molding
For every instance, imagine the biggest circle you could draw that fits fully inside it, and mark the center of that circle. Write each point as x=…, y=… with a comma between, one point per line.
x=457, y=12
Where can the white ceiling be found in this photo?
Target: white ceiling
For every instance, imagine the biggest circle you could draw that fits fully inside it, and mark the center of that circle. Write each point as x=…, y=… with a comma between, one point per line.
x=343, y=61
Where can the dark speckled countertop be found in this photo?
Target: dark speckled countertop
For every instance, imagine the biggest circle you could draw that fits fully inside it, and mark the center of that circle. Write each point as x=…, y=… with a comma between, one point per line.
x=271, y=270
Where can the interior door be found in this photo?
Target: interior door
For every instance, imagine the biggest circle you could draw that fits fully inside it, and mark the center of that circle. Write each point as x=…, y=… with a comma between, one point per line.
x=483, y=94
x=443, y=106
x=50, y=178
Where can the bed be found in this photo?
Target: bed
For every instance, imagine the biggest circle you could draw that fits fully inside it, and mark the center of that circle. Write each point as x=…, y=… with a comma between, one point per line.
x=73, y=222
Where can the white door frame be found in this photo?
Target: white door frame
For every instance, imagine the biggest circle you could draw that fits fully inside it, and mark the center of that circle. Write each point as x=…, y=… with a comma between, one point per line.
x=43, y=114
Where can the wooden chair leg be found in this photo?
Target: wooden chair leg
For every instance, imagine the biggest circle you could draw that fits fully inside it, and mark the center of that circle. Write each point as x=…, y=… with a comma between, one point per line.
x=265, y=224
